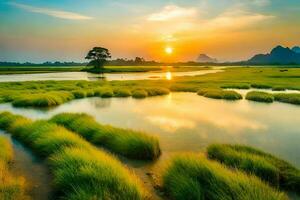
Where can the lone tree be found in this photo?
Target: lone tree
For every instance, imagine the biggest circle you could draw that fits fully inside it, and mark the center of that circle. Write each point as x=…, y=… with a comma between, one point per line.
x=98, y=56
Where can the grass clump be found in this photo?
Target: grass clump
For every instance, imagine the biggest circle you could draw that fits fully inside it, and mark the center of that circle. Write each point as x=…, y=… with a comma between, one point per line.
x=139, y=94
x=79, y=94
x=261, y=86
x=292, y=98
x=275, y=171
x=122, y=93
x=11, y=188
x=260, y=96
x=43, y=99
x=80, y=170
x=126, y=142
x=220, y=94
x=236, y=86
x=157, y=91
x=192, y=177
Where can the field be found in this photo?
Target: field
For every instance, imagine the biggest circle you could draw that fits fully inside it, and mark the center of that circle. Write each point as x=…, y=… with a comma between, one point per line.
x=90, y=160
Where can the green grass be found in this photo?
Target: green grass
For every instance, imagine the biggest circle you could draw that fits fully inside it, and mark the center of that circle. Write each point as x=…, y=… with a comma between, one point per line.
x=238, y=77
x=11, y=187
x=139, y=94
x=80, y=171
x=292, y=98
x=275, y=171
x=260, y=96
x=193, y=177
x=219, y=94
x=126, y=142
x=122, y=92
x=43, y=99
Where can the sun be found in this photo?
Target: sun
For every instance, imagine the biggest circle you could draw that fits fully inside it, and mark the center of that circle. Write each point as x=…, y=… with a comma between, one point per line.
x=169, y=50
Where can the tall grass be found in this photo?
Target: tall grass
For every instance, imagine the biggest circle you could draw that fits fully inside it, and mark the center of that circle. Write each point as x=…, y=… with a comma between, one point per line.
x=126, y=142
x=292, y=98
x=139, y=94
x=266, y=166
x=11, y=187
x=43, y=99
x=193, y=177
x=219, y=94
x=80, y=170
x=260, y=97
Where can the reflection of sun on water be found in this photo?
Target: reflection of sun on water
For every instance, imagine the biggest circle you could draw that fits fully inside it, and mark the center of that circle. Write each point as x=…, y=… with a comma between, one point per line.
x=168, y=76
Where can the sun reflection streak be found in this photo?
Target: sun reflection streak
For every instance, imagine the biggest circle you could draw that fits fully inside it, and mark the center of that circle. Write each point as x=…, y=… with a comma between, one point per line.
x=169, y=76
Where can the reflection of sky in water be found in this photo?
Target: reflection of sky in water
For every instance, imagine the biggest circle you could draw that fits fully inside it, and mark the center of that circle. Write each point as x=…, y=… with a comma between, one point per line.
x=187, y=122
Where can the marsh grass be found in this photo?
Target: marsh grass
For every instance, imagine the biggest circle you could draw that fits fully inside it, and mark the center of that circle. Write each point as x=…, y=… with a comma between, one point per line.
x=292, y=98
x=193, y=177
x=261, y=86
x=126, y=142
x=139, y=94
x=275, y=171
x=43, y=99
x=236, y=86
x=80, y=170
x=220, y=94
x=11, y=187
x=260, y=96
x=122, y=92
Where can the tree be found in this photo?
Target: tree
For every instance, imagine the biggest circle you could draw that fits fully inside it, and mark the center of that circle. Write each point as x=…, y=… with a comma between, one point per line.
x=98, y=56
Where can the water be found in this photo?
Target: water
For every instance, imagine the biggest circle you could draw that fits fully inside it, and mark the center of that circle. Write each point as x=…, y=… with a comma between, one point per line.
x=59, y=76
x=33, y=169
x=188, y=122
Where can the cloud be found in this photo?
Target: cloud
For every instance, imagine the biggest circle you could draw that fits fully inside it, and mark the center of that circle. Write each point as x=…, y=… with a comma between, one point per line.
x=50, y=12
x=170, y=12
x=261, y=2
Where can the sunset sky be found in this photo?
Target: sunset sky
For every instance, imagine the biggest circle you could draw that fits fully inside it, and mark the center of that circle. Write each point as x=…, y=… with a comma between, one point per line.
x=64, y=30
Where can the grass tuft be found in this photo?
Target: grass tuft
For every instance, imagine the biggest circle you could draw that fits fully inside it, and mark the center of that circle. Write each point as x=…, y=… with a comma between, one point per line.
x=275, y=171
x=80, y=170
x=126, y=142
x=192, y=177
x=139, y=94
x=260, y=97
x=220, y=94
x=122, y=93
x=292, y=98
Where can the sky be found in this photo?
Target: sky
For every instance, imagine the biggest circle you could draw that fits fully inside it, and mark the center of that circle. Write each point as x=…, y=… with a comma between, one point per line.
x=64, y=30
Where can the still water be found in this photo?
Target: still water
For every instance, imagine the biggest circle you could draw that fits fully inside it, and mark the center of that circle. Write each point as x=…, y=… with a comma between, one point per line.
x=188, y=122
x=60, y=76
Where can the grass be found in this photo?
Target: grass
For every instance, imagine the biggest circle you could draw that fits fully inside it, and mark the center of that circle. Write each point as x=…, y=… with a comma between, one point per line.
x=43, y=99
x=139, y=94
x=292, y=98
x=219, y=94
x=126, y=142
x=235, y=77
x=260, y=96
x=194, y=177
x=275, y=171
x=80, y=170
x=11, y=187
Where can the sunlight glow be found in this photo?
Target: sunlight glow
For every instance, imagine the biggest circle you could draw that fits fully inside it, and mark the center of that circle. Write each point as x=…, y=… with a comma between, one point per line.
x=168, y=76
x=169, y=50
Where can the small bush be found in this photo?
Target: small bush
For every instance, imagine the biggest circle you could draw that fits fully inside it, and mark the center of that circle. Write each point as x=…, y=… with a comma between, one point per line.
x=292, y=98
x=220, y=94
x=260, y=96
x=269, y=168
x=80, y=171
x=139, y=94
x=260, y=86
x=183, y=88
x=194, y=177
x=107, y=93
x=126, y=142
x=278, y=88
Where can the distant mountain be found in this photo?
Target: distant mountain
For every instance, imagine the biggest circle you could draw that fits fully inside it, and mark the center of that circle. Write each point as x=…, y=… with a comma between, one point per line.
x=203, y=58
x=279, y=55
x=296, y=49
